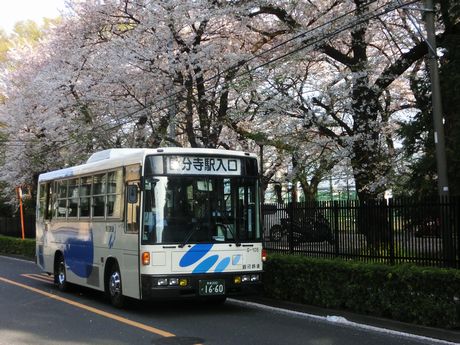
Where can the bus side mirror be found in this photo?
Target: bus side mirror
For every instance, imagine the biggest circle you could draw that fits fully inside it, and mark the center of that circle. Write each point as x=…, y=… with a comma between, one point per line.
x=132, y=194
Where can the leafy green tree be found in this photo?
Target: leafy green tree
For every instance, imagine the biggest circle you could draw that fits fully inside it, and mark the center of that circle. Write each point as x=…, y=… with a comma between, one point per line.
x=4, y=45
x=419, y=177
x=27, y=32
x=450, y=88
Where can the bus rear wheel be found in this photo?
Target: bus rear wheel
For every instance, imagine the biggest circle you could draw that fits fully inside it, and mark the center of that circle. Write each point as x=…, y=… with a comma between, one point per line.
x=60, y=277
x=115, y=289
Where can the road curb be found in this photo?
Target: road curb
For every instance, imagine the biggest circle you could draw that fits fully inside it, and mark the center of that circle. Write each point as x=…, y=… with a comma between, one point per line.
x=361, y=321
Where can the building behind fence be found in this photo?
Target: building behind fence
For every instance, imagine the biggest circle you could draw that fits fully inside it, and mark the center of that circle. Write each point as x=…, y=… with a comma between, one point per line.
x=393, y=231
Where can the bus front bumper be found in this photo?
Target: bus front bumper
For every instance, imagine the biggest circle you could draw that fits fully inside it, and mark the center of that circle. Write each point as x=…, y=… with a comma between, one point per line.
x=200, y=285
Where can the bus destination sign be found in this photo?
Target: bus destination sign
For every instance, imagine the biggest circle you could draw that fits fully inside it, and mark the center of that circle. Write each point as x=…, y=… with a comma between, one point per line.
x=203, y=165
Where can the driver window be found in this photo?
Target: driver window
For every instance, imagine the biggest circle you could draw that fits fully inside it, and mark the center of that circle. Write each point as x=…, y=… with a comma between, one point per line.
x=149, y=231
x=132, y=213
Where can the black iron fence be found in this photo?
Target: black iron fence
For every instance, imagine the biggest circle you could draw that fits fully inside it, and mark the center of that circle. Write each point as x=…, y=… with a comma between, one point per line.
x=398, y=230
x=11, y=226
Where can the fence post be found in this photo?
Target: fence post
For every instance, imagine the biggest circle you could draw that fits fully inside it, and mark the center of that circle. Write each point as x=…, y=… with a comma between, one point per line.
x=3, y=227
x=456, y=211
x=336, y=228
x=447, y=232
x=291, y=225
x=391, y=231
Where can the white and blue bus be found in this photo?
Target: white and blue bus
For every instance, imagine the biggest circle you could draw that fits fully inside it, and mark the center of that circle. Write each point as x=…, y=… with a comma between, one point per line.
x=153, y=223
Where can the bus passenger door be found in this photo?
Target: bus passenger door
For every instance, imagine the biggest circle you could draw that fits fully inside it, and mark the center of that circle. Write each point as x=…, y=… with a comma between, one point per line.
x=130, y=271
x=43, y=219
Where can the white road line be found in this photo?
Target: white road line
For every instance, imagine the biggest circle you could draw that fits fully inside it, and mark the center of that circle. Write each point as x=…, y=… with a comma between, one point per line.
x=18, y=259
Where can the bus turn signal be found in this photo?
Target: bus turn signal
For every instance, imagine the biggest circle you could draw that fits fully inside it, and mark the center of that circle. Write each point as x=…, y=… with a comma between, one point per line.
x=145, y=258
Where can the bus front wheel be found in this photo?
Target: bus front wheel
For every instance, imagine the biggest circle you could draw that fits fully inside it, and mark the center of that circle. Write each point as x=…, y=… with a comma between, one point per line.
x=115, y=287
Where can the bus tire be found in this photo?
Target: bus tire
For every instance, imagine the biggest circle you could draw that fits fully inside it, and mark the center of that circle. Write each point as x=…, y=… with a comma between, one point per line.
x=60, y=275
x=115, y=287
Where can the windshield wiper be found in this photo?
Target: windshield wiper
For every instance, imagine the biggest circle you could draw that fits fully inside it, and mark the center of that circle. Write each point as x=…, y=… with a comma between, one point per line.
x=195, y=228
x=225, y=221
x=229, y=229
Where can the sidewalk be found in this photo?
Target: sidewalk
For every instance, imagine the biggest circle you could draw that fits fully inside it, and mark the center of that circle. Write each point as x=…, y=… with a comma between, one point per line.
x=430, y=332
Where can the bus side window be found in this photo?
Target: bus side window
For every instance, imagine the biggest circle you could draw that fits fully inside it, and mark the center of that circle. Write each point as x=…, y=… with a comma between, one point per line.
x=114, y=194
x=132, y=208
x=42, y=201
x=49, y=201
x=61, y=204
x=45, y=201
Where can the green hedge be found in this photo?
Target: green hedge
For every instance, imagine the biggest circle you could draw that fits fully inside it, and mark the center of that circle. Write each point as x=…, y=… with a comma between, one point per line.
x=17, y=246
x=426, y=296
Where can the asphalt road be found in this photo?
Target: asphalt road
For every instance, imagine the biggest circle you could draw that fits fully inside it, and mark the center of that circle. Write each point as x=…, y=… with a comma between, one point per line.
x=32, y=311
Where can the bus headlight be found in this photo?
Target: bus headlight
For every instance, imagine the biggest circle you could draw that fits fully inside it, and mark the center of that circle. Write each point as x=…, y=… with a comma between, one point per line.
x=162, y=281
x=173, y=281
x=255, y=277
x=170, y=282
x=245, y=278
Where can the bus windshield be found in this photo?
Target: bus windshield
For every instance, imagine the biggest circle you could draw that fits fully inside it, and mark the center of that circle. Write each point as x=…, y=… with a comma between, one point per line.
x=200, y=209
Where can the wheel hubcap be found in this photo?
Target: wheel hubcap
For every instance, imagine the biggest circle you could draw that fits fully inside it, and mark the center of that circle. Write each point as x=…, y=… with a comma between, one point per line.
x=115, y=284
x=61, y=274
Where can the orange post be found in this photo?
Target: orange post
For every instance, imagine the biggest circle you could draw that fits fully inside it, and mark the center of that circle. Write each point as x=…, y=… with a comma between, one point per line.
x=19, y=191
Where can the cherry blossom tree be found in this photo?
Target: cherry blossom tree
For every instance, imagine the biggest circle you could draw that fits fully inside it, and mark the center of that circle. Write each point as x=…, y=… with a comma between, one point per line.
x=110, y=75
x=363, y=52
x=354, y=91
x=312, y=83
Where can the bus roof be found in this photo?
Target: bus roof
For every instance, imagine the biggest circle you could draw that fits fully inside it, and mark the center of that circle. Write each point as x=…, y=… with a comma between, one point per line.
x=113, y=158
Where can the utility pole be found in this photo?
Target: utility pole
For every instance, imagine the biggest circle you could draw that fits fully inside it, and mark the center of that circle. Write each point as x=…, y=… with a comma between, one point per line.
x=441, y=161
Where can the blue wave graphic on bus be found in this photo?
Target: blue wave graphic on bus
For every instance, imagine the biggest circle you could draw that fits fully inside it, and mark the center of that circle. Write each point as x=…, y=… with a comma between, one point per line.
x=206, y=264
x=78, y=252
x=198, y=252
x=194, y=254
x=223, y=264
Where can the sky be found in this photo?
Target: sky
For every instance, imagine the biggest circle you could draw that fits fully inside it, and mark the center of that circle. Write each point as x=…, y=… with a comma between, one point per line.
x=12, y=11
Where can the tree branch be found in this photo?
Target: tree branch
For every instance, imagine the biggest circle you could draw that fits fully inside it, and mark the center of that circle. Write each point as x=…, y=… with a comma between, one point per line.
x=417, y=52
x=399, y=67
x=278, y=12
x=337, y=55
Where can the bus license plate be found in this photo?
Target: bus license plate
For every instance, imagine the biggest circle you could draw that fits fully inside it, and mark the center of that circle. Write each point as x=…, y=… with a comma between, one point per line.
x=212, y=287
